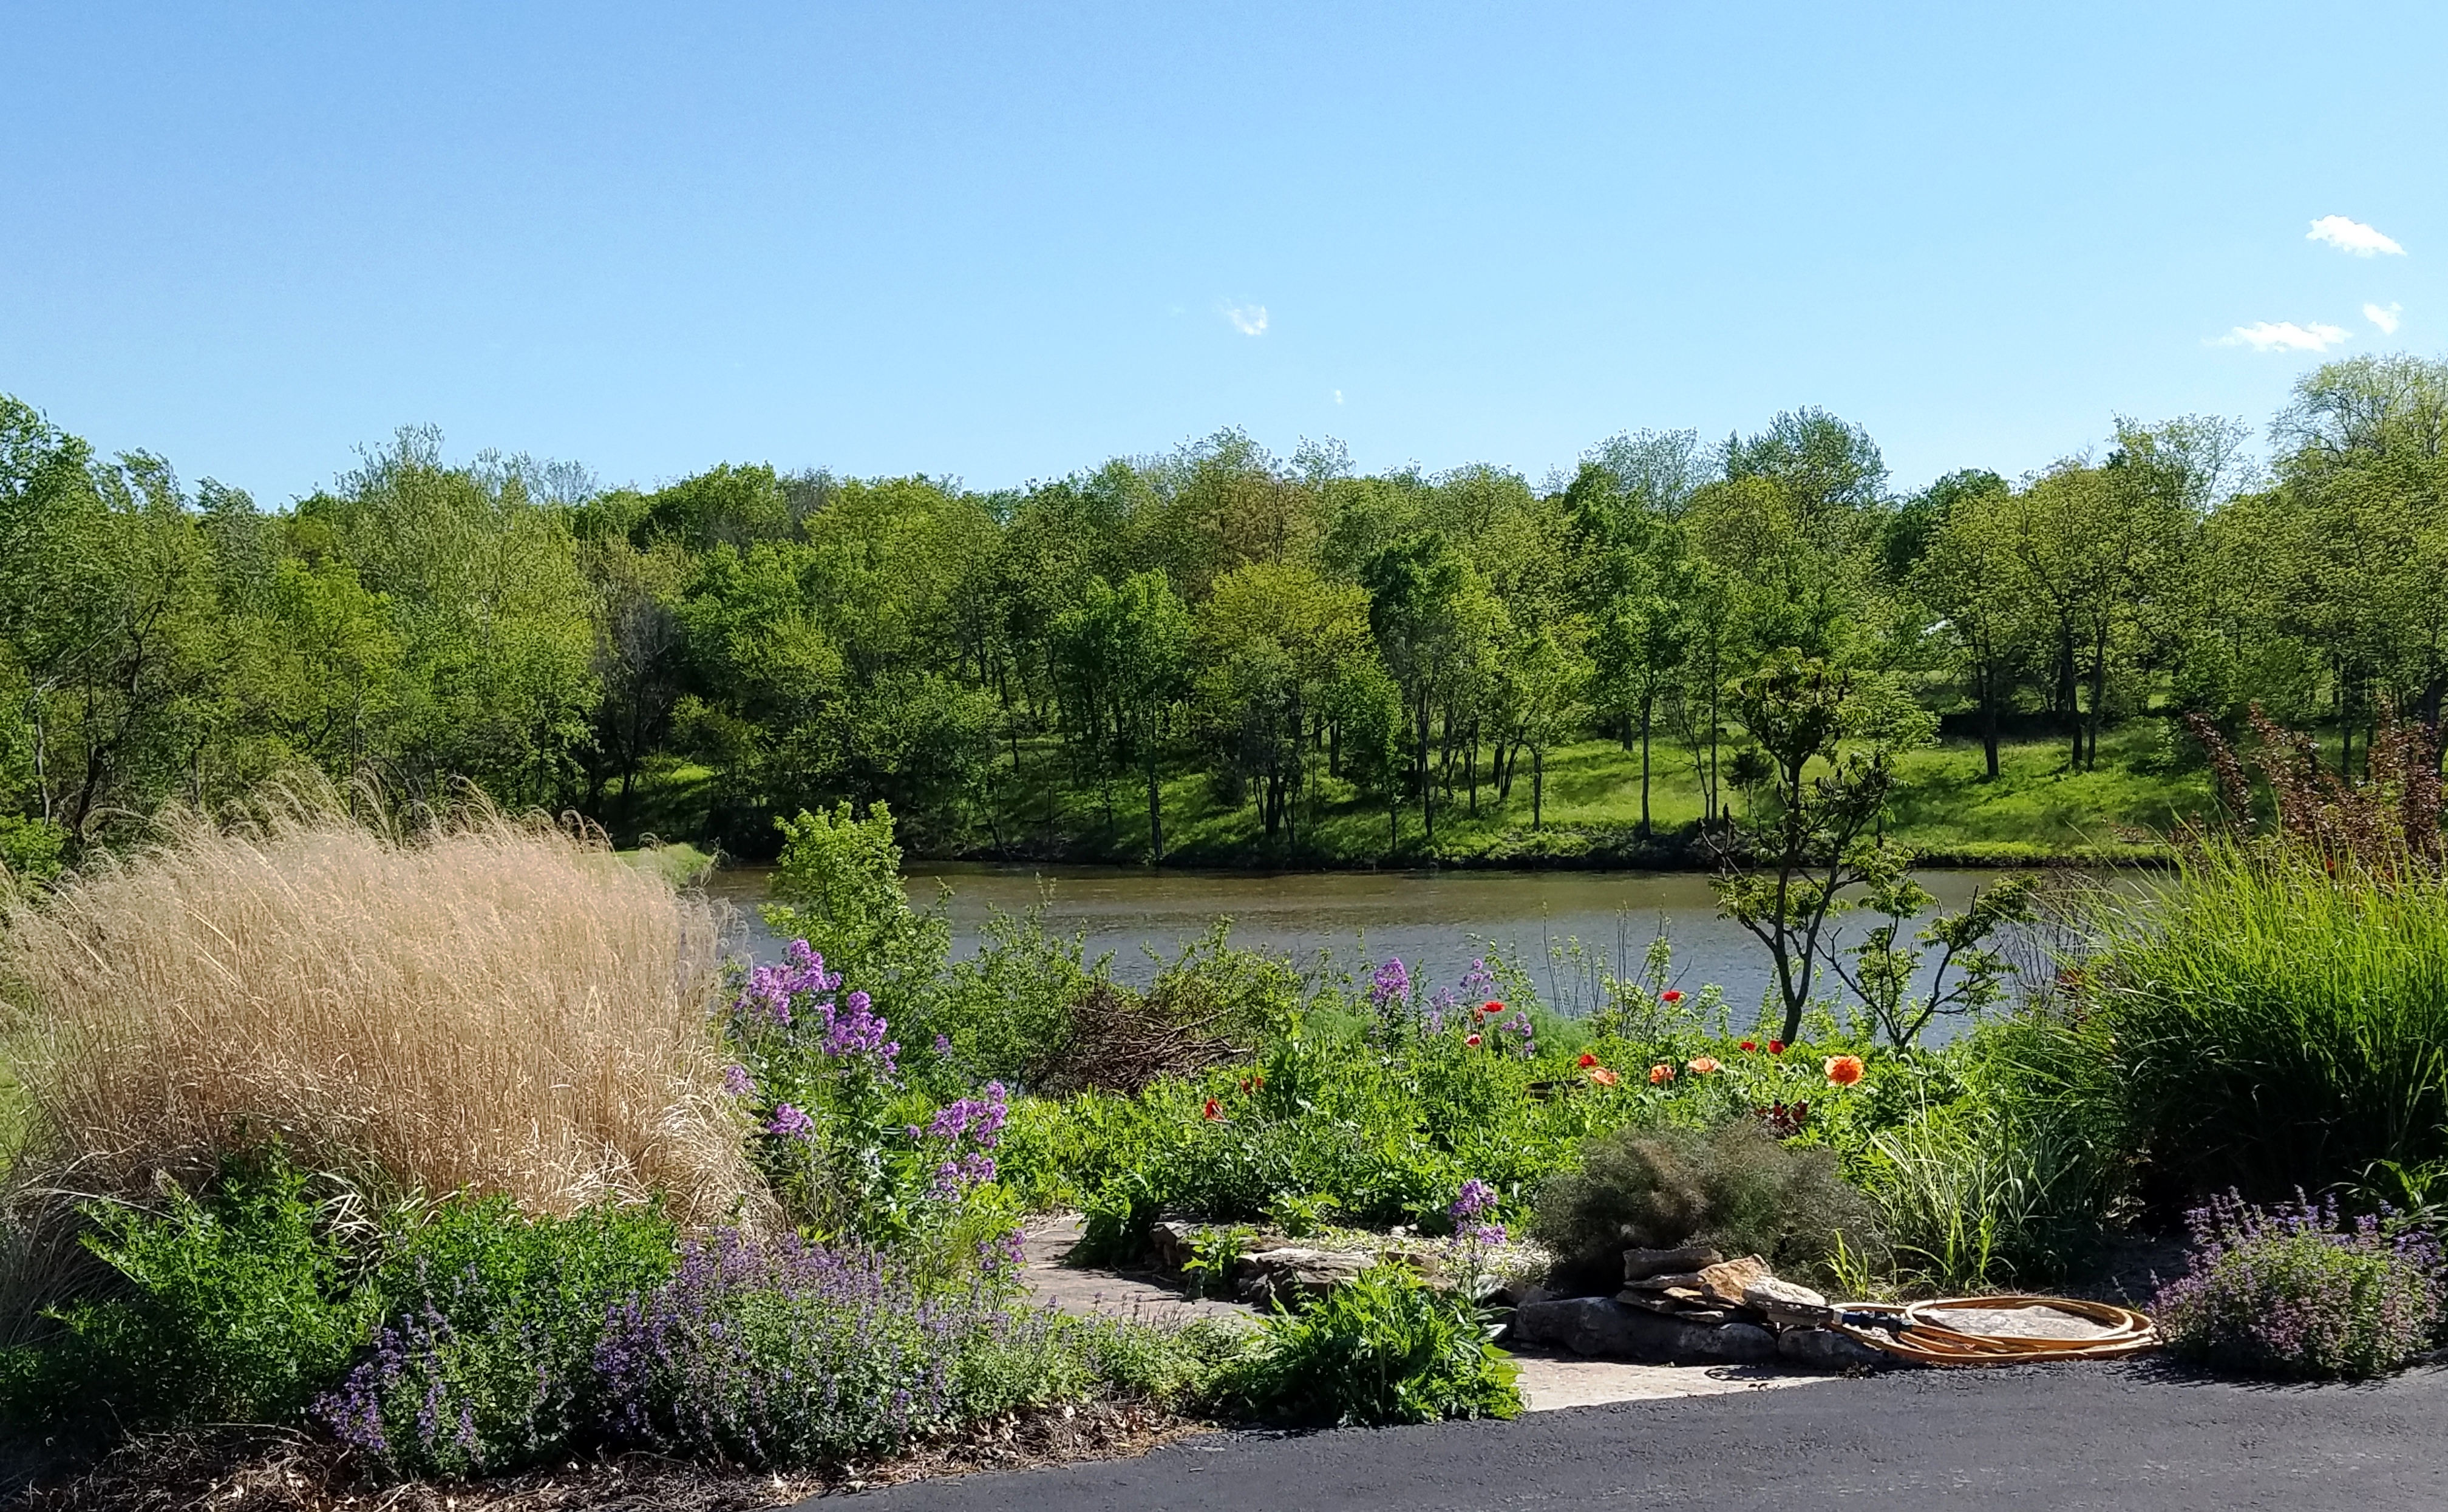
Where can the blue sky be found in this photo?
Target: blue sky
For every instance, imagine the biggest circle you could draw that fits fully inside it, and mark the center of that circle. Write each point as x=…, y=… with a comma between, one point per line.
x=1006, y=243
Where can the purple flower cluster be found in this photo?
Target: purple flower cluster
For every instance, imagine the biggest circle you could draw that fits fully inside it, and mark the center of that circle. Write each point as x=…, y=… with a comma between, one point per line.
x=774, y=991
x=798, y=991
x=2299, y=1291
x=1476, y=1196
x=736, y=1081
x=1476, y=1199
x=791, y=1123
x=782, y=1353
x=981, y=1119
x=436, y=1399
x=1389, y=990
x=973, y=1121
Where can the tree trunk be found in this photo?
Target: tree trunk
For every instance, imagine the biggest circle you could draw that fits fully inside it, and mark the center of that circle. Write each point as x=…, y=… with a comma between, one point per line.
x=1155, y=809
x=1538, y=787
x=1648, y=703
x=1989, y=717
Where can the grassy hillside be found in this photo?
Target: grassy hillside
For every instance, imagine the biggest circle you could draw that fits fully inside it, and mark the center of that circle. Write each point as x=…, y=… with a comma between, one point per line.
x=2036, y=810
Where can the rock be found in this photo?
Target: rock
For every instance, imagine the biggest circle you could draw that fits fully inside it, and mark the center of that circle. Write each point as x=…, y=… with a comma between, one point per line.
x=1829, y=1349
x=1271, y=1275
x=1671, y=1281
x=1724, y=1281
x=1745, y=1344
x=1786, y=1302
x=1601, y=1326
x=1640, y=1263
x=1692, y=1311
x=1172, y=1243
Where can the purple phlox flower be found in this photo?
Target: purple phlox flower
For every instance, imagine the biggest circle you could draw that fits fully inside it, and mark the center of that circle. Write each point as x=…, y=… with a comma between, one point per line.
x=1476, y=1197
x=1482, y=1236
x=943, y=1044
x=736, y=1080
x=774, y=991
x=1391, y=986
x=791, y=1123
x=1479, y=982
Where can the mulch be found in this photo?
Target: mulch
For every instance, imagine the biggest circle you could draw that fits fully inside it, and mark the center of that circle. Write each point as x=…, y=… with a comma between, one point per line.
x=247, y=1470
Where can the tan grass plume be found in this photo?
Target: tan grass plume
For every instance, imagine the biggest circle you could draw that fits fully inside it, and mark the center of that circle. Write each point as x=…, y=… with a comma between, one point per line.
x=483, y=1004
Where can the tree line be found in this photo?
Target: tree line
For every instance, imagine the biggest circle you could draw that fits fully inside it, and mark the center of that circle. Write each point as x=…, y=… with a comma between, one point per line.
x=1306, y=636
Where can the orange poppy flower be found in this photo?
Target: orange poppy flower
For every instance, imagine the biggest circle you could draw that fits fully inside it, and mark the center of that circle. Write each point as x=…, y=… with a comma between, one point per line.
x=1211, y=1111
x=1660, y=1073
x=1845, y=1069
x=1587, y=1059
x=1604, y=1077
x=1704, y=1064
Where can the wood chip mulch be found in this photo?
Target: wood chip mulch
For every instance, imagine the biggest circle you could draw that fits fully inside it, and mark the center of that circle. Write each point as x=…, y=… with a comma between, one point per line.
x=271, y=1470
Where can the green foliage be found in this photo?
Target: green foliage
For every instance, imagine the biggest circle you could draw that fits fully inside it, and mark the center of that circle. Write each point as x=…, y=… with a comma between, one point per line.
x=2275, y=1026
x=1733, y=1187
x=2004, y=1174
x=235, y=1306
x=1387, y=1348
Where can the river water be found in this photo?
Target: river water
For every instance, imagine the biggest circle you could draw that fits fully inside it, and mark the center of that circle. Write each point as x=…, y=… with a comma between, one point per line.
x=1565, y=928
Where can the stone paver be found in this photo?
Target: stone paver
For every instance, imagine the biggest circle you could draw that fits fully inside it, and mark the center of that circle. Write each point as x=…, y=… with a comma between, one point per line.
x=1550, y=1379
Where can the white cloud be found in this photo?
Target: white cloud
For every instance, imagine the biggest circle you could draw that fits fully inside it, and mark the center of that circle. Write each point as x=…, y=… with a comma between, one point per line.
x=2351, y=236
x=1338, y=395
x=1250, y=319
x=2386, y=319
x=2286, y=336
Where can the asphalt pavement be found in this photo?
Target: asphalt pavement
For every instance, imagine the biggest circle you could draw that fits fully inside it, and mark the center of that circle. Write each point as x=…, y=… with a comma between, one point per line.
x=2140, y=1436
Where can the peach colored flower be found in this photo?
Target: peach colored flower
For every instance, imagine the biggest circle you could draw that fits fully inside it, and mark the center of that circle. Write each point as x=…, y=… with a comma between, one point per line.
x=1660, y=1073
x=1604, y=1077
x=1845, y=1069
x=1704, y=1064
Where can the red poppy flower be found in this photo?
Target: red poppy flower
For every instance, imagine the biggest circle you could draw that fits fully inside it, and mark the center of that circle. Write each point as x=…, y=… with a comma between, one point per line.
x=1777, y=1048
x=1491, y=1005
x=1749, y=1045
x=1211, y=1111
x=1604, y=1077
x=1587, y=1059
x=1845, y=1069
x=1472, y=1040
x=1670, y=995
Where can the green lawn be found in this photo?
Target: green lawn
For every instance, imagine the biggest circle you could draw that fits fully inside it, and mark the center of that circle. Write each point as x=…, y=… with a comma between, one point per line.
x=1946, y=805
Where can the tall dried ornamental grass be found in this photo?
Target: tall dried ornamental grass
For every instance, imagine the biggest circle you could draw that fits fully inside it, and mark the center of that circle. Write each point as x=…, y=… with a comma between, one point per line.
x=485, y=1004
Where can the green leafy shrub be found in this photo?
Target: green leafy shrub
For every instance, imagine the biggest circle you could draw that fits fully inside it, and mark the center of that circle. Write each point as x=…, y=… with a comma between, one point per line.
x=1386, y=1349
x=2278, y=1020
x=233, y=1307
x=1735, y=1187
x=485, y=1361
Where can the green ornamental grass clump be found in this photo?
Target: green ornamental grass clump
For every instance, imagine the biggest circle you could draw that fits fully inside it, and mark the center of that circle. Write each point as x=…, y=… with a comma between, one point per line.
x=2279, y=1018
x=1387, y=1348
